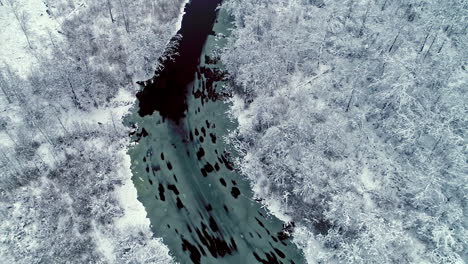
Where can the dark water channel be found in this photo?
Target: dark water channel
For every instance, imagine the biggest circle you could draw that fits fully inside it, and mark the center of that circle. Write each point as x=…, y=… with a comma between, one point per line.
x=196, y=201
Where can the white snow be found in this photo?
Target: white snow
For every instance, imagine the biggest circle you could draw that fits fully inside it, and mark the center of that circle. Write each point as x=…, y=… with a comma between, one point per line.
x=14, y=49
x=310, y=246
x=104, y=244
x=115, y=111
x=367, y=179
x=135, y=213
x=46, y=153
x=178, y=24
x=242, y=115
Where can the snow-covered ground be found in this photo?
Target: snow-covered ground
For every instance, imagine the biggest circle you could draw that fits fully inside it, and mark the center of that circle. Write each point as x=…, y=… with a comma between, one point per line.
x=15, y=53
x=14, y=49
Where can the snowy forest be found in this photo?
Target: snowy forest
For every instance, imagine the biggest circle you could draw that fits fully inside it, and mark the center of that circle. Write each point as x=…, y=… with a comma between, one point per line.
x=353, y=115
x=351, y=122
x=68, y=73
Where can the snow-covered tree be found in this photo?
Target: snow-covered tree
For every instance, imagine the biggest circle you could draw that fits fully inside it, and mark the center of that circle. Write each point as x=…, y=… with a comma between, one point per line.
x=64, y=177
x=351, y=113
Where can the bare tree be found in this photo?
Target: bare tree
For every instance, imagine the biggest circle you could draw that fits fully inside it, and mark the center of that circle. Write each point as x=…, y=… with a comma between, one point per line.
x=425, y=39
x=124, y=16
x=5, y=86
x=109, y=6
x=22, y=19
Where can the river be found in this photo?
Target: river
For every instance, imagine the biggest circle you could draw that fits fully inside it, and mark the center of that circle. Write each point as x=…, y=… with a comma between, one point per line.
x=182, y=168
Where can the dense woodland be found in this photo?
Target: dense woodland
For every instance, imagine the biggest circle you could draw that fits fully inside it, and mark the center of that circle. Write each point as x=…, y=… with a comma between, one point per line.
x=353, y=114
x=61, y=170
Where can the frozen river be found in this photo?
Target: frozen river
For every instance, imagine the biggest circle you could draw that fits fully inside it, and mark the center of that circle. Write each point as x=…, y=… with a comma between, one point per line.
x=182, y=168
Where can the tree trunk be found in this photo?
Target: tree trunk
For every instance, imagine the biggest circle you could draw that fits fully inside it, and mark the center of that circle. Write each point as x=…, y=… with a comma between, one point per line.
x=349, y=101
x=391, y=47
x=60, y=121
x=126, y=23
x=384, y=4
x=11, y=163
x=364, y=21
x=21, y=18
x=109, y=6
x=3, y=85
x=429, y=49
x=440, y=49
x=75, y=98
x=425, y=39
x=113, y=123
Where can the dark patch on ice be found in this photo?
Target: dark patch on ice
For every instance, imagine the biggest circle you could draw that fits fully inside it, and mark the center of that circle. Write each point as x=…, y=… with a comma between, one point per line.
x=208, y=89
x=195, y=255
x=200, y=153
x=180, y=205
x=156, y=168
x=143, y=133
x=223, y=182
x=203, y=172
x=260, y=222
x=161, y=192
x=208, y=167
x=213, y=138
x=279, y=253
x=235, y=192
x=213, y=225
x=218, y=247
x=270, y=258
x=173, y=188
x=229, y=165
